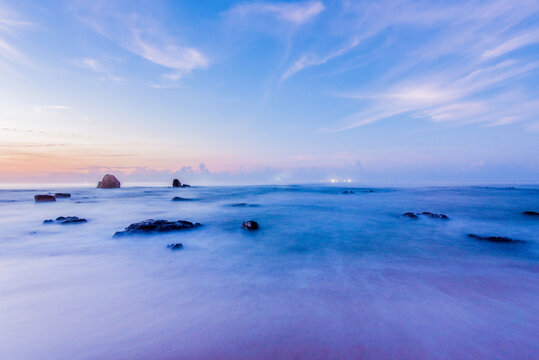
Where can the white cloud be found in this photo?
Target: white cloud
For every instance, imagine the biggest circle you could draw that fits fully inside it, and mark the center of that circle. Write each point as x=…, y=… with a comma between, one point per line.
x=141, y=35
x=45, y=108
x=10, y=24
x=513, y=44
x=295, y=12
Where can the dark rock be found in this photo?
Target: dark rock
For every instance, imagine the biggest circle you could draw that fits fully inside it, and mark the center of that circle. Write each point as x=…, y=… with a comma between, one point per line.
x=177, y=246
x=531, y=213
x=243, y=205
x=426, y=213
x=435, y=216
x=62, y=195
x=109, y=182
x=411, y=215
x=177, y=198
x=66, y=220
x=371, y=191
x=347, y=192
x=185, y=185
x=70, y=220
x=44, y=198
x=250, y=225
x=176, y=183
x=152, y=226
x=497, y=239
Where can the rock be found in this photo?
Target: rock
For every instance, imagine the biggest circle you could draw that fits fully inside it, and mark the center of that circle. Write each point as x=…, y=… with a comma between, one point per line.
x=530, y=213
x=347, y=192
x=411, y=215
x=62, y=195
x=44, y=198
x=66, y=220
x=185, y=185
x=176, y=183
x=243, y=205
x=151, y=226
x=250, y=225
x=109, y=182
x=435, y=216
x=497, y=239
x=371, y=191
x=177, y=198
x=426, y=213
x=177, y=246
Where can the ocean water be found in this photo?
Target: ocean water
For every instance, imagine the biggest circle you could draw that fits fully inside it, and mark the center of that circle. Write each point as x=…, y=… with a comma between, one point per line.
x=327, y=276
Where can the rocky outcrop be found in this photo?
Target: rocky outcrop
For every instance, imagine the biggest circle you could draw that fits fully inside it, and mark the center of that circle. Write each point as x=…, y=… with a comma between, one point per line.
x=153, y=226
x=347, y=192
x=250, y=225
x=531, y=213
x=177, y=246
x=66, y=220
x=109, y=182
x=411, y=215
x=62, y=195
x=496, y=239
x=435, y=216
x=44, y=198
x=425, y=213
x=176, y=183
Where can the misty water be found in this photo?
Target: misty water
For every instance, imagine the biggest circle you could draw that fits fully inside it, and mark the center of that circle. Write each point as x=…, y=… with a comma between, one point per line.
x=327, y=276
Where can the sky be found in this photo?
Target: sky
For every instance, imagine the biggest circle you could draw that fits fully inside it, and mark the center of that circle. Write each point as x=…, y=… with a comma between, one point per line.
x=239, y=92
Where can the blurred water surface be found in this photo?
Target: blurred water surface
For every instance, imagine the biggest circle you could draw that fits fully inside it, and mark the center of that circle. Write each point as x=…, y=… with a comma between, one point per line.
x=328, y=275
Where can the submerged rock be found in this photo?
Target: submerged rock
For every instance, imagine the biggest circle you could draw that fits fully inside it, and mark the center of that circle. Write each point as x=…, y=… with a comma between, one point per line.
x=530, y=213
x=410, y=215
x=435, y=216
x=151, y=226
x=347, y=192
x=426, y=213
x=243, y=205
x=66, y=220
x=250, y=225
x=177, y=246
x=62, y=195
x=44, y=198
x=177, y=198
x=109, y=182
x=497, y=239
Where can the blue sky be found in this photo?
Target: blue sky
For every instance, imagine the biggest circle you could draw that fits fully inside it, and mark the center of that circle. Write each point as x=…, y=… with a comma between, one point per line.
x=270, y=92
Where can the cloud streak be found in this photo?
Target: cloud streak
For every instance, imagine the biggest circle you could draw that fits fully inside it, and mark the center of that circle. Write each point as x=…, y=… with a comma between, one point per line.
x=297, y=13
x=143, y=36
x=463, y=67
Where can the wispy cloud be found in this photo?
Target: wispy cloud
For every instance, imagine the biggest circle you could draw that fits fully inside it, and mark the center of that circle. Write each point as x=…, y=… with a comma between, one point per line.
x=462, y=68
x=97, y=66
x=294, y=12
x=10, y=25
x=141, y=35
x=45, y=108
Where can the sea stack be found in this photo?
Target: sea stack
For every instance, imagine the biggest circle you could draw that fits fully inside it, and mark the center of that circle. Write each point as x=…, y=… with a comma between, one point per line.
x=176, y=183
x=109, y=182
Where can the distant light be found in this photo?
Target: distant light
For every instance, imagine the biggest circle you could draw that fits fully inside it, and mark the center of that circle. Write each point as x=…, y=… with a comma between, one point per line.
x=349, y=180
x=333, y=180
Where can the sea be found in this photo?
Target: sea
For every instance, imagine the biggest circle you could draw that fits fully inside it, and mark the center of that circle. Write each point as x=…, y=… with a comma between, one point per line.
x=333, y=272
